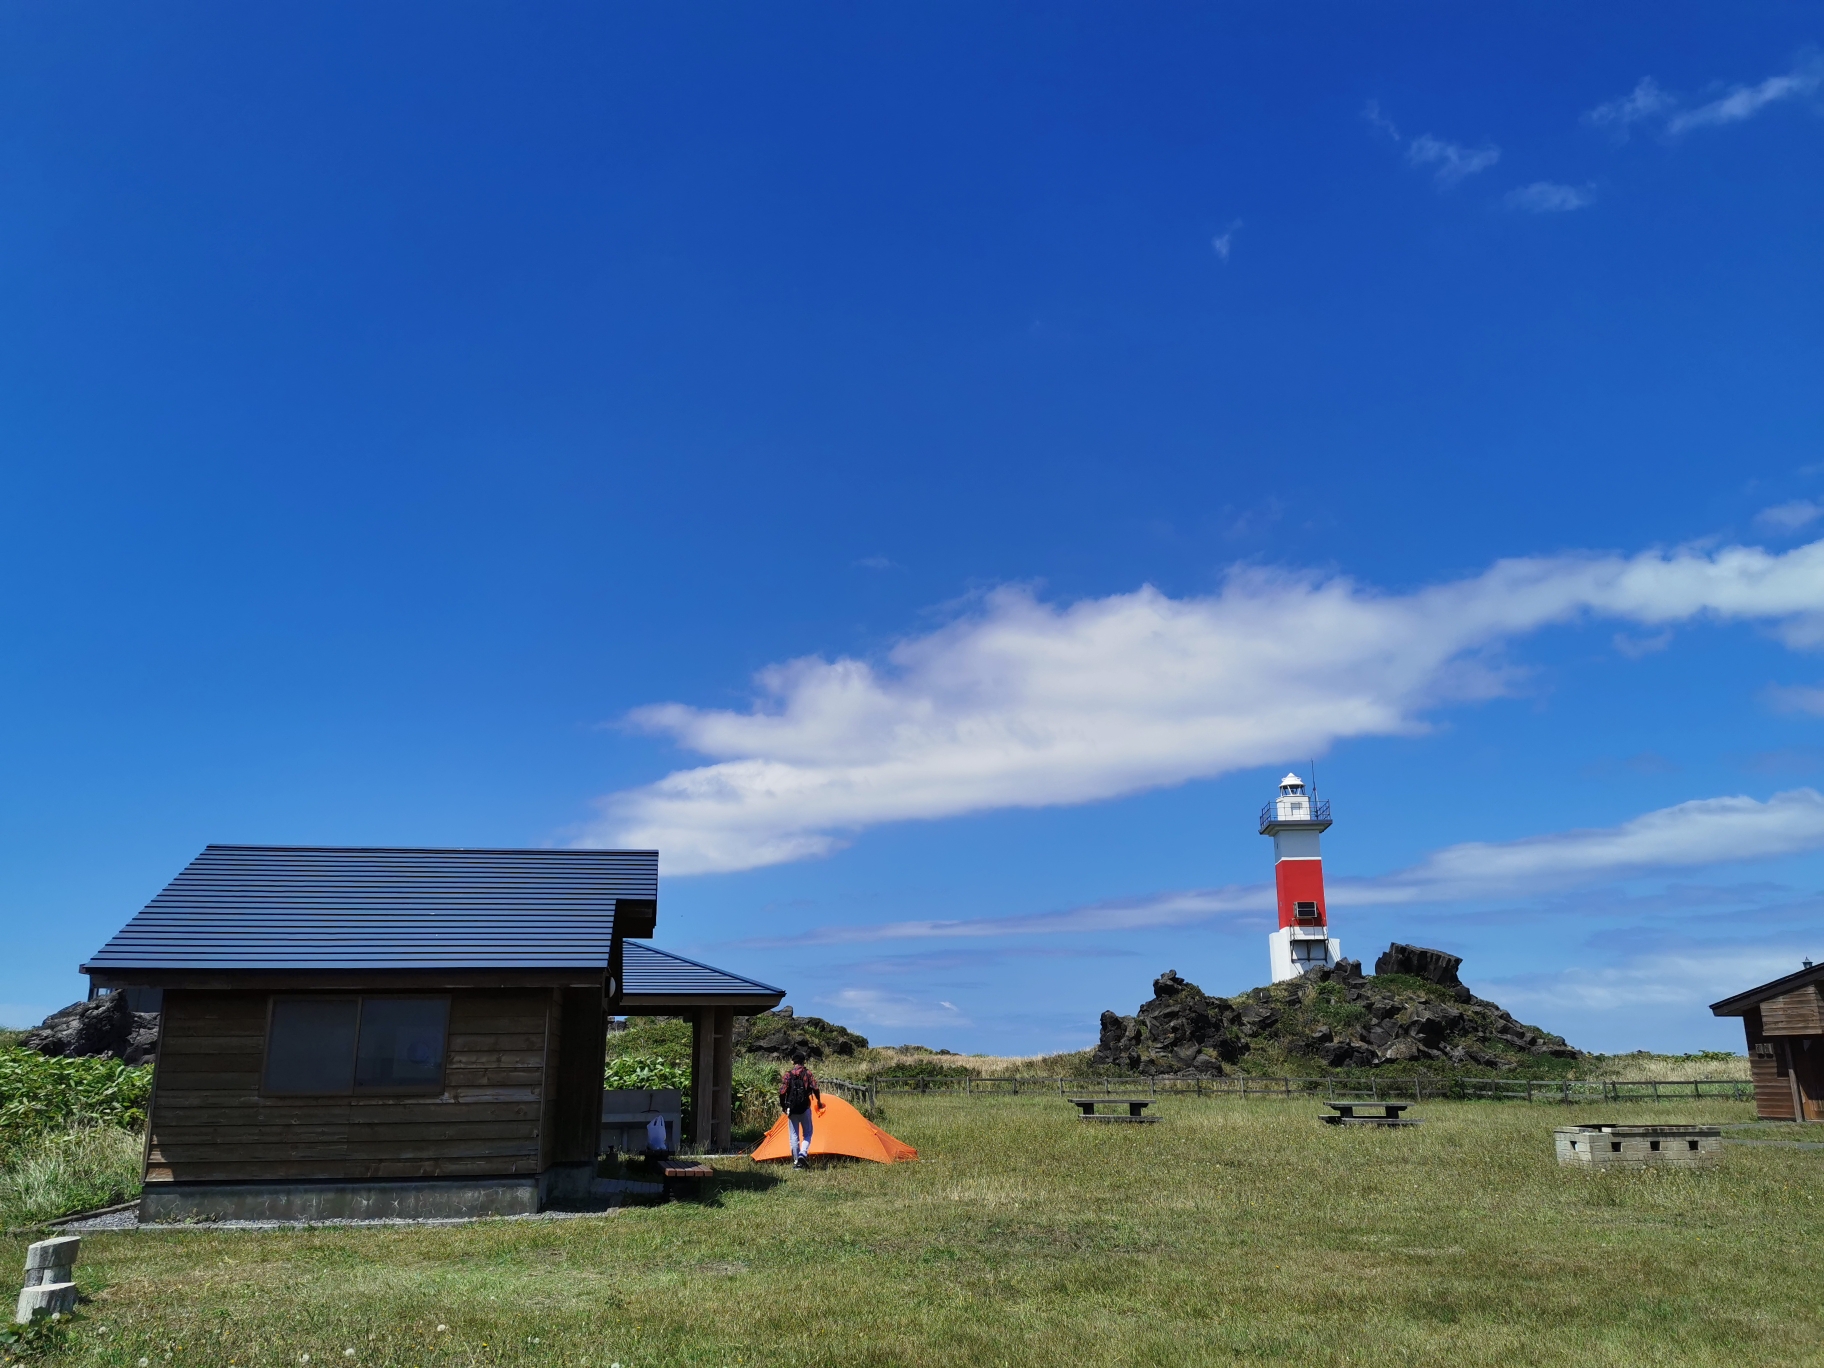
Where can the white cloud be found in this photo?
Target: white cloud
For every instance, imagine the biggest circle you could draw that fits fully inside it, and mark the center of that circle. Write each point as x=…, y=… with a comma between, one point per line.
x=1702, y=832
x=877, y=1008
x=1021, y=703
x=1789, y=517
x=1224, y=242
x=1454, y=162
x=1645, y=101
x=1744, y=102
x=1548, y=197
x=875, y=563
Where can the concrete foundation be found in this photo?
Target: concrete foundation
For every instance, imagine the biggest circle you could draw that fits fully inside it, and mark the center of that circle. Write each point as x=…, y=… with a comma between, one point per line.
x=1610, y=1146
x=425, y=1199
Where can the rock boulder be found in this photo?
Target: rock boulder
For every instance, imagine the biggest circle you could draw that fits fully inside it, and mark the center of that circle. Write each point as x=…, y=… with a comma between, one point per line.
x=103, y=1026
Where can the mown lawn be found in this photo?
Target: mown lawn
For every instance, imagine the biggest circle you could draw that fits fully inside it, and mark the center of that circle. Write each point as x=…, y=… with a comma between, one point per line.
x=1232, y=1232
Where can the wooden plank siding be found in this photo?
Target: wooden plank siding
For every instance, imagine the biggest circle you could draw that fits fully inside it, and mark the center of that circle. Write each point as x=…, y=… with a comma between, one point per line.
x=209, y=1122
x=1798, y=1013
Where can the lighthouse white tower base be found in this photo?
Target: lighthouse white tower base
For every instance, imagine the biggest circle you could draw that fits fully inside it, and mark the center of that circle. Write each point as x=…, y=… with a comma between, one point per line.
x=1292, y=950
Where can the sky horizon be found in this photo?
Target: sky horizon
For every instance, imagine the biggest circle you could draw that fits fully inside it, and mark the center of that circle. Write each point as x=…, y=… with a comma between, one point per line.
x=930, y=476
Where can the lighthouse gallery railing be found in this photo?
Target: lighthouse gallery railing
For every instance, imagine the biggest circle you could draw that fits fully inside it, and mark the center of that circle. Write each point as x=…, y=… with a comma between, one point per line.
x=1320, y=812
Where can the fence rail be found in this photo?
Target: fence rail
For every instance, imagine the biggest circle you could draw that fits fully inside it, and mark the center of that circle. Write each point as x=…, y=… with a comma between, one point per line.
x=1417, y=1089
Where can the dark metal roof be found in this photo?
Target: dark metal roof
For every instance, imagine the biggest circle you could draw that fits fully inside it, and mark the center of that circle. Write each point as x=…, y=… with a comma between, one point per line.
x=647, y=972
x=309, y=907
x=1740, y=1004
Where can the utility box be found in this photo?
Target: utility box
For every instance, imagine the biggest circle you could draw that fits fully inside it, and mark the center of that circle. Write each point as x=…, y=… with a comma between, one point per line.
x=626, y=1112
x=1601, y=1145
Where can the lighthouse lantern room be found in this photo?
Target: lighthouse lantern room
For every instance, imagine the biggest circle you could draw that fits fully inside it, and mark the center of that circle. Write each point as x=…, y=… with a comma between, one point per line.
x=1295, y=820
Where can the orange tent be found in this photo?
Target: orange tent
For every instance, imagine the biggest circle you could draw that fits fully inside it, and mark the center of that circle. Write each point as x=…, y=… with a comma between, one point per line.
x=837, y=1128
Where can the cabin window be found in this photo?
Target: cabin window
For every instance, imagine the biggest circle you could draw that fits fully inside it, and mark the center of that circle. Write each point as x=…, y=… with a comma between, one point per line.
x=401, y=1043
x=319, y=1046
x=310, y=1045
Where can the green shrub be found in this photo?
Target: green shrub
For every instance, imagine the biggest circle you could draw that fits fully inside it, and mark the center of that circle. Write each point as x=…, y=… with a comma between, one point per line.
x=636, y=1071
x=59, y=1172
x=924, y=1068
x=40, y=1094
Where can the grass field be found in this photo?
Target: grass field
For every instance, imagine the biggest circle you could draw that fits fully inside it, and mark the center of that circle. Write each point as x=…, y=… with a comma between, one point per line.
x=1233, y=1232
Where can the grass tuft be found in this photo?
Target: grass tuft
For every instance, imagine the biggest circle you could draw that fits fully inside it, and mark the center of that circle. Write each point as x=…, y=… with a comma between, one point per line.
x=67, y=1171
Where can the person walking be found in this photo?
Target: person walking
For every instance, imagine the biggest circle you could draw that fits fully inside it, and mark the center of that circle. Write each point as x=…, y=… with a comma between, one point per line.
x=796, y=1089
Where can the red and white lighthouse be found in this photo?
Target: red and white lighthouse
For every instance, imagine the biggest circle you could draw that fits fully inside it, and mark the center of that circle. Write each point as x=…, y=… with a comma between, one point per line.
x=1295, y=820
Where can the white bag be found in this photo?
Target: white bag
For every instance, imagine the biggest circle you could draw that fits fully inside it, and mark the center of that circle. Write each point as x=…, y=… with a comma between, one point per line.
x=655, y=1135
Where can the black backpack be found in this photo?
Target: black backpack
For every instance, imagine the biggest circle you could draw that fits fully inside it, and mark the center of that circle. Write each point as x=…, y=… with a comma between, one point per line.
x=797, y=1090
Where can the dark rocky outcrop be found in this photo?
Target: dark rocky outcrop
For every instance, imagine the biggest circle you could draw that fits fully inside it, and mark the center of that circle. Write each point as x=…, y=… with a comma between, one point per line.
x=1413, y=1010
x=104, y=1026
x=1415, y=961
x=776, y=1034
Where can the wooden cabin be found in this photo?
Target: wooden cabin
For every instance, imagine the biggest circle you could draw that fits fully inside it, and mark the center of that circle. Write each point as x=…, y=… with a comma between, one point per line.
x=384, y=1032
x=1784, y=1021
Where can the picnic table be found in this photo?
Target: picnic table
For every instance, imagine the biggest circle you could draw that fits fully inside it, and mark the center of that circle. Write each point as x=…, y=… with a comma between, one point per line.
x=681, y=1176
x=1389, y=1115
x=1136, y=1109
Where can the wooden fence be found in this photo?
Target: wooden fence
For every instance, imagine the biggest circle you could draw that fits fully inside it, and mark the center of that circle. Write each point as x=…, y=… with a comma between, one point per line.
x=866, y=1095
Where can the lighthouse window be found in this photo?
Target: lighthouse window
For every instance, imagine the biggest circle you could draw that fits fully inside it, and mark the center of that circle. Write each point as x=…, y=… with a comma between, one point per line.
x=1307, y=911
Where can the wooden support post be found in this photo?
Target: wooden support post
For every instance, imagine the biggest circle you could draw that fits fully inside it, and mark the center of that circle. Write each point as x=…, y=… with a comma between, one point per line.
x=702, y=1077
x=722, y=1086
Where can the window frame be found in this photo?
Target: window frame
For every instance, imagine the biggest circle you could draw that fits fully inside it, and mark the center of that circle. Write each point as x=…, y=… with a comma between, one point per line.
x=353, y=1090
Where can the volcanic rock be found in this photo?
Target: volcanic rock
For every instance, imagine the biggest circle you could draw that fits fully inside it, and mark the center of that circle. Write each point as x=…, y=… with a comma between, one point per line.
x=1434, y=966
x=778, y=1034
x=104, y=1027
x=1333, y=1017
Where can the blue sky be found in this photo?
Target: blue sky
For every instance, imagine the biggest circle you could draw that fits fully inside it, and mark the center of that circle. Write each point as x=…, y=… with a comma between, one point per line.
x=930, y=472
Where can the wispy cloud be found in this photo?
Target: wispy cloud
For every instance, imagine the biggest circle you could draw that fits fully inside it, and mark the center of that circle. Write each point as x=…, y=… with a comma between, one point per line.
x=1454, y=162
x=1789, y=517
x=875, y=1007
x=1379, y=121
x=1744, y=102
x=1702, y=833
x=1794, y=698
x=875, y=563
x=1021, y=703
x=1184, y=908
x=1645, y=101
x=1634, y=646
x=1451, y=162
x=1224, y=241
x=1548, y=197
x=1669, y=978
x=1649, y=103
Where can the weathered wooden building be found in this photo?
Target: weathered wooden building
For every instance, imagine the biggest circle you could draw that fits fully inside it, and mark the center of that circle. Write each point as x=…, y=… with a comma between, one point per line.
x=385, y=1032
x=1784, y=1021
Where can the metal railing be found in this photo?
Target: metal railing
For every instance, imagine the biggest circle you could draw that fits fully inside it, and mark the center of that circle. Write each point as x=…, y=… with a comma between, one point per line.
x=1320, y=812
x=1417, y=1089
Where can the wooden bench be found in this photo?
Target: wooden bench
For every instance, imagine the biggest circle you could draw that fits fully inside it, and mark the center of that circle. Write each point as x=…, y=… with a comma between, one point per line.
x=1389, y=1115
x=682, y=1177
x=1136, y=1107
